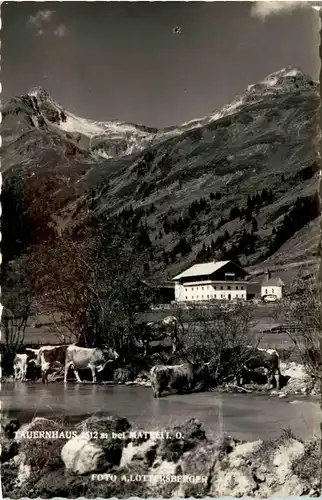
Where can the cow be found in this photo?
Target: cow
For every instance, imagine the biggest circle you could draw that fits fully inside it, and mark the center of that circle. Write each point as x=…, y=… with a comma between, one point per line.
x=158, y=330
x=81, y=358
x=268, y=359
x=22, y=362
x=33, y=369
x=182, y=377
x=50, y=356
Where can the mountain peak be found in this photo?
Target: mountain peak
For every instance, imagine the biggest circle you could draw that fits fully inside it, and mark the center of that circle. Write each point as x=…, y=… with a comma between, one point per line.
x=288, y=72
x=40, y=93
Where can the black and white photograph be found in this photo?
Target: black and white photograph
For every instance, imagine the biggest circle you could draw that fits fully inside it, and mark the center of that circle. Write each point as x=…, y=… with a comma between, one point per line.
x=161, y=329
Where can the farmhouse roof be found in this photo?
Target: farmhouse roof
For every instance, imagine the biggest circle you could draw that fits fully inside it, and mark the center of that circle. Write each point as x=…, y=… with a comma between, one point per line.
x=273, y=282
x=202, y=269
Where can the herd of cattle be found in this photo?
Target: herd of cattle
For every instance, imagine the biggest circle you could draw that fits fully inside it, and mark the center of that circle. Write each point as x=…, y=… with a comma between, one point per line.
x=70, y=356
x=187, y=376
x=183, y=377
x=78, y=358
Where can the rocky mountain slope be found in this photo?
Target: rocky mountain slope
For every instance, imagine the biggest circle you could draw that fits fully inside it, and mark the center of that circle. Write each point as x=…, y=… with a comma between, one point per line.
x=239, y=183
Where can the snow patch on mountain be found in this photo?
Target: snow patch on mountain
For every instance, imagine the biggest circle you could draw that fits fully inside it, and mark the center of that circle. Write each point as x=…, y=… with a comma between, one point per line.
x=116, y=138
x=280, y=82
x=100, y=153
x=80, y=125
x=92, y=128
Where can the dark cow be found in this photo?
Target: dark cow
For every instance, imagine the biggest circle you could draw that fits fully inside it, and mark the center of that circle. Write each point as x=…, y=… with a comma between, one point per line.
x=81, y=358
x=156, y=331
x=264, y=358
x=49, y=357
x=33, y=371
x=251, y=358
x=240, y=361
x=182, y=377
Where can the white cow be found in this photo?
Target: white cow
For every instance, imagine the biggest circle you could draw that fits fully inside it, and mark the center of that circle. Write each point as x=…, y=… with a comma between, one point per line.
x=20, y=364
x=81, y=358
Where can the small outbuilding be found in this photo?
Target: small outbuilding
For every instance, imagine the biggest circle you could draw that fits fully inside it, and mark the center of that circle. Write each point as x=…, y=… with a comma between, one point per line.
x=271, y=288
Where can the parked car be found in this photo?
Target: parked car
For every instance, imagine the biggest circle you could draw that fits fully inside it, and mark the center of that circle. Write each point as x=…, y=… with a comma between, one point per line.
x=269, y=298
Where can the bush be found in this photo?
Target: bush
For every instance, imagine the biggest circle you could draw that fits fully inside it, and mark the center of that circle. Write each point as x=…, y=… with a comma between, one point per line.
x=217, y=335
x=301, y=309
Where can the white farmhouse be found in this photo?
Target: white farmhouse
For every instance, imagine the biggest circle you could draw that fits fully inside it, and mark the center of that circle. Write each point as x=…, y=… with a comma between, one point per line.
x=271, y=288
x=223, y=280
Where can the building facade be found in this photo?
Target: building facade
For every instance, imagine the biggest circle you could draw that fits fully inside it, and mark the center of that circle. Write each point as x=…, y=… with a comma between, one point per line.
x=223, y=280
x=271, y=288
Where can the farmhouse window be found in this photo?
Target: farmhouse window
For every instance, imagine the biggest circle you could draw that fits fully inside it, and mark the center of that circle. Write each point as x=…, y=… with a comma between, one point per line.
x=186, y=298
x=192, y=288
x=236, y=287
x=266, y=291
x=221, y=288
x=229, y=287
x=272, y=290
x=215, y=287
x=207, y=296
x=192, y=297
x=242, y=288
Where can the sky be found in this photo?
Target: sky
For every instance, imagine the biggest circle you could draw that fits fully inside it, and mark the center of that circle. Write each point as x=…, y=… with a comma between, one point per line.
x=127, y=60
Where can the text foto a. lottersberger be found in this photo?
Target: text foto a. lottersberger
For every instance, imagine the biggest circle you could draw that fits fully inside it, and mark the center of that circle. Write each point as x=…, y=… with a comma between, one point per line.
x=155, y=435
x=151, y=478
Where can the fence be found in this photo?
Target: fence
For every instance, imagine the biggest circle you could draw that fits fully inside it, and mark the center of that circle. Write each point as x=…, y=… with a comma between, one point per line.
x=283, y=329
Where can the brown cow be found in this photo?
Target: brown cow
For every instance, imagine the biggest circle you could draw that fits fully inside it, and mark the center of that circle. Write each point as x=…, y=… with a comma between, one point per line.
x=182, y=377
x=81, y=358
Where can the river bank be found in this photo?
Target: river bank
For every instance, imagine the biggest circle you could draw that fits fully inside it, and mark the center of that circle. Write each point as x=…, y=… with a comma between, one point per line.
x=294, y=380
